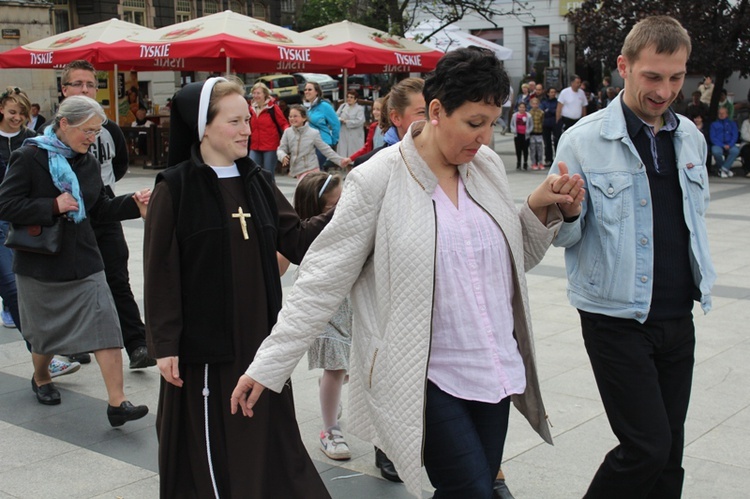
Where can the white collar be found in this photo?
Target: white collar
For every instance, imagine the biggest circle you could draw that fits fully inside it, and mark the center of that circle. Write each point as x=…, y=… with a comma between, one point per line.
x=226, y=171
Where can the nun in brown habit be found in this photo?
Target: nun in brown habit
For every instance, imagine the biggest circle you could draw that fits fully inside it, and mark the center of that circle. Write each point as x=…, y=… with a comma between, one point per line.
x=212, y=293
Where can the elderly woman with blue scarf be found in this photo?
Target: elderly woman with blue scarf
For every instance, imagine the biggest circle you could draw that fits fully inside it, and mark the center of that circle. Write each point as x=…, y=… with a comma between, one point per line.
x=65, y=303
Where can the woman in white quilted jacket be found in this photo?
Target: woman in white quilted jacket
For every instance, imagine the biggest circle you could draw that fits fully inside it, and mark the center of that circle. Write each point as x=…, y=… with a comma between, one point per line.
x=436, y=259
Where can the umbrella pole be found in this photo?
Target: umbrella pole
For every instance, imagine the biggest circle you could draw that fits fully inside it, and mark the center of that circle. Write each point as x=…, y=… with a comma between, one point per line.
x=227, y=72
x=116, y=103
x=346, y=81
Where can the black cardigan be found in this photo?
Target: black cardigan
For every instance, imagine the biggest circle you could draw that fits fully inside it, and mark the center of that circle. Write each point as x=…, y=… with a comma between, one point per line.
x=27, y=196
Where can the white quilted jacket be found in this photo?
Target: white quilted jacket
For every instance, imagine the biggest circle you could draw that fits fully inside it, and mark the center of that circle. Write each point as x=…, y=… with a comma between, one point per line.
x=380, y=247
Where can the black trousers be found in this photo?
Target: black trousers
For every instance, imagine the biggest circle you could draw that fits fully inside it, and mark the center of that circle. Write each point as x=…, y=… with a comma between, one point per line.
x=644, y=373
x=522, y=148
x=549, y=137
x=114, y=250
x=745, y=155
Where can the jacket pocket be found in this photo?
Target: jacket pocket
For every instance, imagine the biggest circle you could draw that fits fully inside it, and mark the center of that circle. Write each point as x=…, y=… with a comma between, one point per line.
x=611, y=194
x=696, y=187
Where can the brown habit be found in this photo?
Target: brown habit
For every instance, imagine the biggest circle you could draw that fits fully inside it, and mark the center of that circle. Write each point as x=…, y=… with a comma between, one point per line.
x=259, y=457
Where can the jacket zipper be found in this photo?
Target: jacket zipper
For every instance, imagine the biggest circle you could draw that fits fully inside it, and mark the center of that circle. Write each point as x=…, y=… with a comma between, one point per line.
x=429, y=347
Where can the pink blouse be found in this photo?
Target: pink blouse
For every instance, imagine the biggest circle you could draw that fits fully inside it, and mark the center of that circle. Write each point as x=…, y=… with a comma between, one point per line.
x=473, y=355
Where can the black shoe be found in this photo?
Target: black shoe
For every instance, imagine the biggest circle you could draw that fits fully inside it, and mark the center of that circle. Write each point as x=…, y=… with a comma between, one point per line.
x=518, y=165
x=525, y=166
x=46, y=394
x=118, y=416
x=81, y=358
x=387, y=469
x=139, y=359
x=500, y=490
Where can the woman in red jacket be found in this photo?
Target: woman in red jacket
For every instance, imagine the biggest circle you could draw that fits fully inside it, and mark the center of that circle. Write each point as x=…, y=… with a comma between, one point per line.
x=267, y=123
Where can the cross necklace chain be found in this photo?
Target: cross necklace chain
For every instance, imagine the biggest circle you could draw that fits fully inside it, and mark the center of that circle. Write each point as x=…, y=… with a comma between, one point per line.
x=241, y=215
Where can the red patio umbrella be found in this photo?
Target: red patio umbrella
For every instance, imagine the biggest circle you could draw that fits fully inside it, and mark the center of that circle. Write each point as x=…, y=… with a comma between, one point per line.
x=81, y=43
x=375, y=51
x=225, y=41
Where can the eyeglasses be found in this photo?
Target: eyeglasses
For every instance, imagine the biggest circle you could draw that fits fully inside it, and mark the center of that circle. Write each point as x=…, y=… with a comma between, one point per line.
x=92, y=133
x=309, y=89
x=82, y=84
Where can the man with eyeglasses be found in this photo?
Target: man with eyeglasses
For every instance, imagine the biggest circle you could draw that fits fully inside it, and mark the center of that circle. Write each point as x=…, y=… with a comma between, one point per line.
x=110, y=148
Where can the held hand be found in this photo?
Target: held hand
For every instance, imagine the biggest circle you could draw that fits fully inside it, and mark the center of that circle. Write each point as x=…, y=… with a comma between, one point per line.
x=565, y=190
x=144, y=195
x=243, y=399
x=65, y=203
x=346, y=162
x=170, y=370
x=142, y=200
x=573, y=187
x=285, y=162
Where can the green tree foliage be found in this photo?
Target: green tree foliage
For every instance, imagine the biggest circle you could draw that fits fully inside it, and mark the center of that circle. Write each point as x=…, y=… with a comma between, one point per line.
x=719, y=30
x=315, y=13
x=397, y=16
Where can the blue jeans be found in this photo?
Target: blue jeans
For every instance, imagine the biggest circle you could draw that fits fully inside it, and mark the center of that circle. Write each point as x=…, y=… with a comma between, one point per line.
x=718, y=153
x=265, y=159
x=7, y=278
x=464, y=443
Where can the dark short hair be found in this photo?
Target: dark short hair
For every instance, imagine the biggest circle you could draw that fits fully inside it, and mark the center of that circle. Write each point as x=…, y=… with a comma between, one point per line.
x=74, y=65
x=467, y=75
x=353, y=93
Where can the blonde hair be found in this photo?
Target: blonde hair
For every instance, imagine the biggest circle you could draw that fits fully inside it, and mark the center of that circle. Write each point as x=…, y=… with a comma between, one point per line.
x=221, y=89
x=664, y=33
x=17, y=96
x=262, y=86
x=398, y=99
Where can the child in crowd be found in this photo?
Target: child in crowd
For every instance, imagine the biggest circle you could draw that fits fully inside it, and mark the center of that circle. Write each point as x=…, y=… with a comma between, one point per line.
x=374, y=134
x=520, y=126
x=298, y=144
x=317, y=193
x=536, y=140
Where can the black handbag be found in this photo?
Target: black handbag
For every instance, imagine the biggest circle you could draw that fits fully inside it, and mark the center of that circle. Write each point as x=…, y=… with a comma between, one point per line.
x=43, y=239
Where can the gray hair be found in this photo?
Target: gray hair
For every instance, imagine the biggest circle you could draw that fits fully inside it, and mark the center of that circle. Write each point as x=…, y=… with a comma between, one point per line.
x=78, y=109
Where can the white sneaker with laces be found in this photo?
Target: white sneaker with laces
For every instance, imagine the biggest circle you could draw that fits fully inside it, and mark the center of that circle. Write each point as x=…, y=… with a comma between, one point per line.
x=333, y=445
x=61, y=368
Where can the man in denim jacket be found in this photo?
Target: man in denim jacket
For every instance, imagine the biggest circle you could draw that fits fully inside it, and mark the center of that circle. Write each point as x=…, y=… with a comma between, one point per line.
x=637, y=258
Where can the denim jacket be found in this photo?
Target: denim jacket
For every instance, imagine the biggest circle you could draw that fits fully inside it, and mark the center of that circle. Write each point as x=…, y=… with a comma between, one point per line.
x=609, y=256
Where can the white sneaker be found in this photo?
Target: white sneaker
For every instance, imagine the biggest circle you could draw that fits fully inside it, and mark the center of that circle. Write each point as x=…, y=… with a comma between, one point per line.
x=333, y=445
x=61, y=368
x=723, y=173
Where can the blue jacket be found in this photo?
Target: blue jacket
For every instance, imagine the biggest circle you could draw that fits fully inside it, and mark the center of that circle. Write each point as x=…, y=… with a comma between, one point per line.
x=323, y=118
x=549, y=106
x=724, y=133
x=608, y=255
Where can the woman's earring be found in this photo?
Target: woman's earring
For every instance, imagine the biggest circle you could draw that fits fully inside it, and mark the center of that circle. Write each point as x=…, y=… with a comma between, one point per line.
x=434, y=122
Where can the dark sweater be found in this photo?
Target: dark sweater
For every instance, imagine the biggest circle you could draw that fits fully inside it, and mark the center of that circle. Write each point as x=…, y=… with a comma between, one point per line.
x=673, y=287
x=27, y=196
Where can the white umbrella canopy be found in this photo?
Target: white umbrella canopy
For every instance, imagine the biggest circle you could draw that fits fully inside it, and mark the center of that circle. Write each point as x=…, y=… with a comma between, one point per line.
x=81, y=43
x=376, y=51
x=452, y=37
x=224, y=41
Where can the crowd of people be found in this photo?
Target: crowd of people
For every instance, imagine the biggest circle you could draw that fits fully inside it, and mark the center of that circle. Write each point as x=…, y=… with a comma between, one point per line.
x=424, y=219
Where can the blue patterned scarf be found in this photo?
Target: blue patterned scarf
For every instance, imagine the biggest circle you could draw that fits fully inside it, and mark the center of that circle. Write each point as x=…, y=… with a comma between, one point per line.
x=62, y=174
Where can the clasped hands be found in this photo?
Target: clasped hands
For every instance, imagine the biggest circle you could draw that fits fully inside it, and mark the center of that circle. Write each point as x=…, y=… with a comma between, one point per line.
x=562, y=189
x=67, y=203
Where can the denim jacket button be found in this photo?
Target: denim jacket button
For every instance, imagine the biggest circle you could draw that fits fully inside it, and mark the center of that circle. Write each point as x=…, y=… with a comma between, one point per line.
x=644, y=202
x=611, y=190
x=644, y=278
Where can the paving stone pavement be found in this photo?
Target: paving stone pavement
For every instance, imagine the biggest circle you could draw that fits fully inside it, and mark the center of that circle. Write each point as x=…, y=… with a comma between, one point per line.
x=71, y=450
